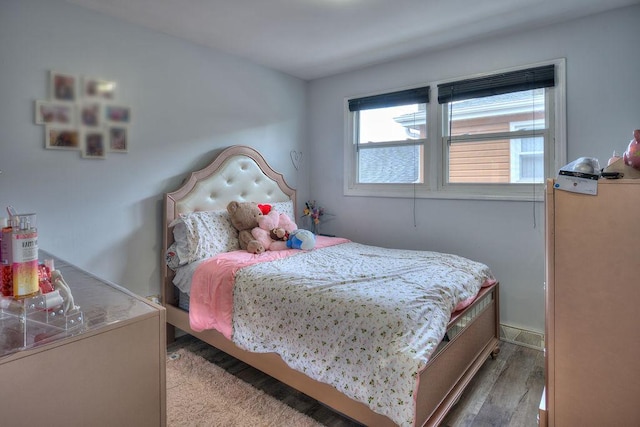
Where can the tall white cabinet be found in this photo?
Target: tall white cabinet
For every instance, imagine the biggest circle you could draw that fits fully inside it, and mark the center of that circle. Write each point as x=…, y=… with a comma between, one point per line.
x=593, y=306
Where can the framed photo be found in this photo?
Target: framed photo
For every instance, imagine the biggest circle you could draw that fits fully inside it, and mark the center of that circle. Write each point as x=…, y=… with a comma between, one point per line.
x=93, y=88
x=63, y=87
x=94, y=144
x=118, y=139
x=90, y=114
x=117, y=114
x=57, y=138
x=52, y=112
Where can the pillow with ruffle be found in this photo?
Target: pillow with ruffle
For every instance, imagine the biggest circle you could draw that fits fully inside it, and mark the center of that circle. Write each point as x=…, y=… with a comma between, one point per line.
x=204, y=234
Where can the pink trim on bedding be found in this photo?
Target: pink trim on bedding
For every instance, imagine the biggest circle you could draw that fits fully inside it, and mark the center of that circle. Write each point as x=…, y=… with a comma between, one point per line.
x=211, y=301
x=466, y=303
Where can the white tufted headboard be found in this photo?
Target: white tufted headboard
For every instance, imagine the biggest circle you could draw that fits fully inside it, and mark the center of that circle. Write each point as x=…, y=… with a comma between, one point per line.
x=239, y=173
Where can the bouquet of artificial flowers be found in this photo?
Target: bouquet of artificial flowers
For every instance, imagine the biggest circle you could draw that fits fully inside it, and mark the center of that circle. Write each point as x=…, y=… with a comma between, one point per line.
x=313, y=211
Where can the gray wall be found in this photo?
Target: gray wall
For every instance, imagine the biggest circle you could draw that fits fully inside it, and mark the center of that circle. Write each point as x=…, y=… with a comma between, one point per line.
x=187, y=103
x=603, y=88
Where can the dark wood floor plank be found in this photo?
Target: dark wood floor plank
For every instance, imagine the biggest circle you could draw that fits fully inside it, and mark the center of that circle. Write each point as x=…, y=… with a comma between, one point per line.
x=505, y=392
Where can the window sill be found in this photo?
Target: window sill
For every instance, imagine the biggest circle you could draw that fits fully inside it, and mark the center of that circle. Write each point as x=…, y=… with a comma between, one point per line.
x=529, y=194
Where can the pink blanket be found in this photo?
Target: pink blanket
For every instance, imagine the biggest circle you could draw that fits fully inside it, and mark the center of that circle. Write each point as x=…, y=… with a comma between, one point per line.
x=211, y=302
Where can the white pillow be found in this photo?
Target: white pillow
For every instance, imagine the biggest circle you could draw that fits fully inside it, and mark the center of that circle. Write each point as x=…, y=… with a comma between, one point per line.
x=285, y=208
x=200, y=235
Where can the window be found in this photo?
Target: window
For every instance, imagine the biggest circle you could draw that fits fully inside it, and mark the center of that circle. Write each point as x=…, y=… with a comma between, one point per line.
x=387, y=140
x=527, y=154
x=500, y=136
x=498, y=131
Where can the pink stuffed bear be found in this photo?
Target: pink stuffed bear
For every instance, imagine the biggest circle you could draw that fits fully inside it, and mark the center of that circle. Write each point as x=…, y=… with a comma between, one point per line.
x=273, y=230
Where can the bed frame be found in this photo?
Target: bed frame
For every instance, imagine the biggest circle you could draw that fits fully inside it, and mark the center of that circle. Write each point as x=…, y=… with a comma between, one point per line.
x=241, y=173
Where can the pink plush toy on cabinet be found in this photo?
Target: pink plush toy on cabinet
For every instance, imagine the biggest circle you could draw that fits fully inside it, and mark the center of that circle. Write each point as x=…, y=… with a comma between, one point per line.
x=632, y=155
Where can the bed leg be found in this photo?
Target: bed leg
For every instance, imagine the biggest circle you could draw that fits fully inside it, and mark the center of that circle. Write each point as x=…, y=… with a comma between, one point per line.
x=495, y=352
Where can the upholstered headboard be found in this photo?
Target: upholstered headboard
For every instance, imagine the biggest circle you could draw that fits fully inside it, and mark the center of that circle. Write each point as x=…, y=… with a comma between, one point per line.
x=239, y=173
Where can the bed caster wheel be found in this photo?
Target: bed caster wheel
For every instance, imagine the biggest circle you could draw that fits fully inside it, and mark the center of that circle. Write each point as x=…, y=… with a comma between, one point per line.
x=495, y=352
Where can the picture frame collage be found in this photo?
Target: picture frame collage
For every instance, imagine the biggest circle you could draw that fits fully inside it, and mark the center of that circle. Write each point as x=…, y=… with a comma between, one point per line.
x=81, y=114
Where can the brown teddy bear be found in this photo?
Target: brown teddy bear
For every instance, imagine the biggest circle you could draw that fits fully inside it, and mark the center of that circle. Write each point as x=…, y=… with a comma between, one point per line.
x=244, y=217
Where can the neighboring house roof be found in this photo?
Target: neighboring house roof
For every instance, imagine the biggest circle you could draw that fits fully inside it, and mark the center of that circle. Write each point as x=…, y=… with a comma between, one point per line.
x=389, y=164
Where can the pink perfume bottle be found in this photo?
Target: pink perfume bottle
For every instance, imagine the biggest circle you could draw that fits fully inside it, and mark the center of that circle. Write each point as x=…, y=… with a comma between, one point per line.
x=24, y=243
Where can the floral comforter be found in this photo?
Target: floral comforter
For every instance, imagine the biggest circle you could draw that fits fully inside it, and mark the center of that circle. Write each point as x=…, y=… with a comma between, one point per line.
x=363, y=319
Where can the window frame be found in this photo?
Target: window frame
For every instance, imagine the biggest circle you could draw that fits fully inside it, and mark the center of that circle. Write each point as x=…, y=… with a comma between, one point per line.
x=506, y=190
x=435, y=167
x=351, y=172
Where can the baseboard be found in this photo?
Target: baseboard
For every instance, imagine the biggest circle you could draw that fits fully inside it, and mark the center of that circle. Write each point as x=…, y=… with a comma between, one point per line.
x=521, y=337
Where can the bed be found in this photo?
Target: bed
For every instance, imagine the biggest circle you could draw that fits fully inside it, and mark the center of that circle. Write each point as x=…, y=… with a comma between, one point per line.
x=467, y=337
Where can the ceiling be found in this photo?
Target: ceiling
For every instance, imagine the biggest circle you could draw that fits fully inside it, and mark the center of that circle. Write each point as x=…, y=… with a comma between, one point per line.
x=310, y=39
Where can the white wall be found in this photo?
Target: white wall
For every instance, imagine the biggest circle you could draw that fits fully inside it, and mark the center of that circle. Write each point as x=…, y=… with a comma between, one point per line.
x=188, y=102
x=603, y=88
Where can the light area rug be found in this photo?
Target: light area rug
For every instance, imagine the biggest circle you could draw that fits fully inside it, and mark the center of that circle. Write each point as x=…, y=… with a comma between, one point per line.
x=199, y=393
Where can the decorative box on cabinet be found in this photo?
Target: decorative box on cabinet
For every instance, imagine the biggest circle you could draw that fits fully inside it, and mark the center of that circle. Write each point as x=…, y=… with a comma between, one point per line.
x=108, y=372
x=592, y=305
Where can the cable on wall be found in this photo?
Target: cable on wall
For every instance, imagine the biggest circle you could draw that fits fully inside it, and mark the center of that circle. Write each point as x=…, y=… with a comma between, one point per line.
x=529, y=76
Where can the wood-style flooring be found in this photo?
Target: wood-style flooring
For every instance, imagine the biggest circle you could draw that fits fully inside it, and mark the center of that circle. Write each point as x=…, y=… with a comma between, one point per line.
x=505, y=392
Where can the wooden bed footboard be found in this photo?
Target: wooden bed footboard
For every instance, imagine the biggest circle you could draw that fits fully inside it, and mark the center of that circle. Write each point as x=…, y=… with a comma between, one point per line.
x=441, y=382
x=449, y=372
